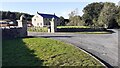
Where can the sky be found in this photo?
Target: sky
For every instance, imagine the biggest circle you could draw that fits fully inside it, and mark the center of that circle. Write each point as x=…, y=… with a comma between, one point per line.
x=62, y=8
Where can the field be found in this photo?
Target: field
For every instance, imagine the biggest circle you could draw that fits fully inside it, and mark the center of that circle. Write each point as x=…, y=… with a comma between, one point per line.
x=44, y=52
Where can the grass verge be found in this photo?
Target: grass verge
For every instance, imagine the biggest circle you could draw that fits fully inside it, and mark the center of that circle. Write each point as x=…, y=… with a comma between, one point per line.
x=73, y=27
x=101, y=32
x=44, y=52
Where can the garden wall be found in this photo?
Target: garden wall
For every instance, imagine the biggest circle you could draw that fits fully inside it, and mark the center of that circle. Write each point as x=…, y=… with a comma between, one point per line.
x=79, y=29
x=13, y=33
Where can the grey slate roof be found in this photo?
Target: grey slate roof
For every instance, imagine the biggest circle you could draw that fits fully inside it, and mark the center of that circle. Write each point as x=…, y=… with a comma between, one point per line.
x=47, y=15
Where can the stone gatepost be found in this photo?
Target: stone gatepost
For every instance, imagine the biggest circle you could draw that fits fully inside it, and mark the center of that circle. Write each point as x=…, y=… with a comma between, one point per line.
x=23, y=24
x=48, y=29
x=53, y=25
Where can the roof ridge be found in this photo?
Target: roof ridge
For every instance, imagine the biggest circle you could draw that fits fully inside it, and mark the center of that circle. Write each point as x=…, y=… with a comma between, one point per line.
x=45, y=13
x=48, y=15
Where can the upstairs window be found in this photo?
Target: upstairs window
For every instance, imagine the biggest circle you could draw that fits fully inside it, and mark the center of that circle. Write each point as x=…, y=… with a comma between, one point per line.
x=34, y=19
x=38, y=24
x=41, y=24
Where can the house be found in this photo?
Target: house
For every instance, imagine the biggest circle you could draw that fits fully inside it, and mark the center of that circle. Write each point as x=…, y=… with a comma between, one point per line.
x=43, y=20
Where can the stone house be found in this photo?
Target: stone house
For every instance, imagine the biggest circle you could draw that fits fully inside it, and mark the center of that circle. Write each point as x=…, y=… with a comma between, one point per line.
x=43, y=20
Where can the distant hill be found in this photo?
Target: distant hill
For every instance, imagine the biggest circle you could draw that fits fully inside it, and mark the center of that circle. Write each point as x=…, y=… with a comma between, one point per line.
x=13, y=15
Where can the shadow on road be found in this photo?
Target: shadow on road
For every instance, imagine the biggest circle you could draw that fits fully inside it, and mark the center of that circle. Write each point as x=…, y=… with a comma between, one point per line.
x=55, y=36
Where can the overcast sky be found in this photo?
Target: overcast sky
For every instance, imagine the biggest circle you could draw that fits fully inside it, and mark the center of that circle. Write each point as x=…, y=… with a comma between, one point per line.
x=60, y=8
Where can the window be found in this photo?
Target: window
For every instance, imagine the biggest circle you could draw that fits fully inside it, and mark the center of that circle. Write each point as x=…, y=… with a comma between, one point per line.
x=38, y=24
x=34, y=19
x=48, y=19
x=45, y=18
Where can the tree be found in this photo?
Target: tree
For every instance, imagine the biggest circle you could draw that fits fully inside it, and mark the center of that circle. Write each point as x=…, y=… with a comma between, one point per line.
x=8, y=14
x=118, y=15
x=13, y=15
x=92, y=12
x=62, y=22
x=113, y=24
x=88, y=22
x=66, y=21
x=73, y=13
x=18, y=14
x=107, y=13
x=75, y=21
x=74, y=18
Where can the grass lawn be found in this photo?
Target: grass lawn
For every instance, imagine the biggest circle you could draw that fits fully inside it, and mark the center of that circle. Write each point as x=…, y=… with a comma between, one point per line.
x=43, y=52
x=73, y=27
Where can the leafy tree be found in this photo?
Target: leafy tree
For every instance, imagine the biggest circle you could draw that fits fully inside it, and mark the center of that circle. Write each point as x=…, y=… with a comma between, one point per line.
x=92, y=12
x=107, y=13
x=88, y=22
x=8, y=14
x=73, y=13
x=113, y=24
x=66, y=21
x=62, y=22
x=18, y=15
x=118, y=15
x=13, y=15
x=75, y=19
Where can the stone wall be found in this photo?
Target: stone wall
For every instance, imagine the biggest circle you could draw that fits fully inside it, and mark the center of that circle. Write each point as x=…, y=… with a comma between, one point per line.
x=12, y=33
x=17, y=31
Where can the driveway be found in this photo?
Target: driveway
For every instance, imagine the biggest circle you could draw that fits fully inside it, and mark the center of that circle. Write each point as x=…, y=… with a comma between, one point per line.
x=103, y=46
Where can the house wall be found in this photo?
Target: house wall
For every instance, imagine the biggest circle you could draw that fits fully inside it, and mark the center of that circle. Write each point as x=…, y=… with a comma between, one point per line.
x=46, y=21
x=37, y=21
x=58, y=22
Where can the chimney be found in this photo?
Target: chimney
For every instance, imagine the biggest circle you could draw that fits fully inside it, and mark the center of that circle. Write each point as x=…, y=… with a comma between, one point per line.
x=119, y=3
x=37, y=12
x=54, y=14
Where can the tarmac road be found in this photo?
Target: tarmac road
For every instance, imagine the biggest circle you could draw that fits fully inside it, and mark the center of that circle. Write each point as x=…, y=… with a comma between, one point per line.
x=103, y=46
